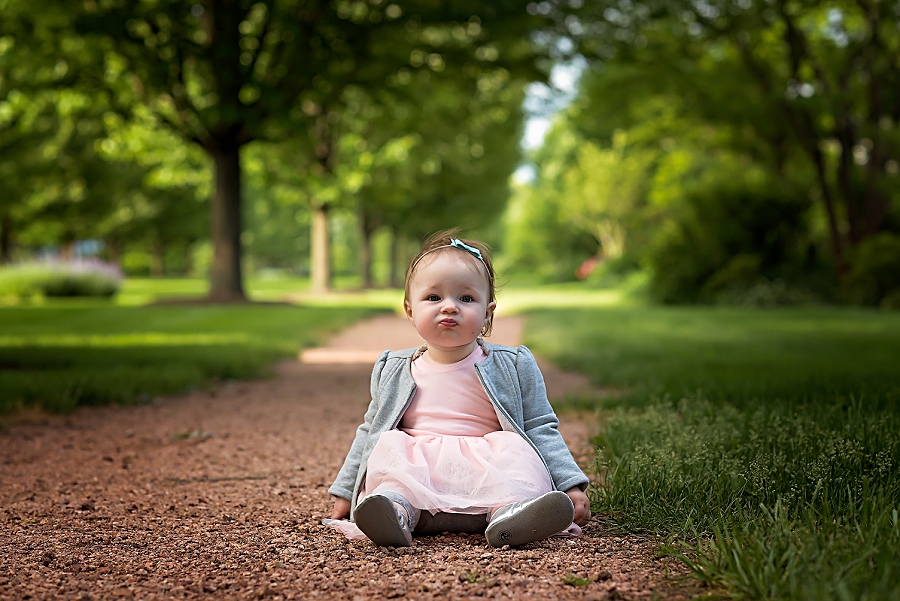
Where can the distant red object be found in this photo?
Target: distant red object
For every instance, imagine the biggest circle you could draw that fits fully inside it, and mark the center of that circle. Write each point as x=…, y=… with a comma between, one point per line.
x=588, y=267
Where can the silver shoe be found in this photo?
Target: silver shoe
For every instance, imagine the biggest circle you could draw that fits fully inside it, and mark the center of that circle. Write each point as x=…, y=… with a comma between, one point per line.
x=379, y=519
x=528, y=521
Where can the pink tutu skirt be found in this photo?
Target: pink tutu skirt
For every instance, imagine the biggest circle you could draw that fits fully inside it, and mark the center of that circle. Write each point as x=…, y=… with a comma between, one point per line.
x=457, y=474
x=453, y=474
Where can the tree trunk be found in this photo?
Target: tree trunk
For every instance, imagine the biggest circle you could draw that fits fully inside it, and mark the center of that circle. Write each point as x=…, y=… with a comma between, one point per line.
x=5, y=238
x=394, y=273
x=845, y=187
x=225, y=279
x=321, y=263
x=187, y=261
x=398, y=258
x=114, y=252
x=365, y=255
x=157, y=258
x=67, y=251
x=837, y=246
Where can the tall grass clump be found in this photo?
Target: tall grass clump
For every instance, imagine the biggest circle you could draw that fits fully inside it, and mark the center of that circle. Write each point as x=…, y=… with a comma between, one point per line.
x=59, y=279
x=763, y=446
x=780, y=502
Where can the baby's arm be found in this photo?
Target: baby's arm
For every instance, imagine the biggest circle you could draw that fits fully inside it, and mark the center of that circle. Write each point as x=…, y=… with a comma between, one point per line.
x=343, y=486
x=541, y=426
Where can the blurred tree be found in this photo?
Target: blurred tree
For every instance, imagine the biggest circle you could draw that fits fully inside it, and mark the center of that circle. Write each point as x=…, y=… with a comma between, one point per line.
x=687, y=196
x=277, y=213
x=539, y=239
x=164, y=203
x=223, y=73
x=604, y=189
x=440, y=155
x=31, y=79
x=733, y=228
x=792, y=79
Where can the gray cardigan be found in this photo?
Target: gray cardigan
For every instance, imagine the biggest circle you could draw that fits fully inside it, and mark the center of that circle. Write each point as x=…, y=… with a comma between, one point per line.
x=514, y=385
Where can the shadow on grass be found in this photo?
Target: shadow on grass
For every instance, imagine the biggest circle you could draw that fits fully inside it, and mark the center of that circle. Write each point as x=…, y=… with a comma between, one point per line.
x=59, y=378
x=61, y=356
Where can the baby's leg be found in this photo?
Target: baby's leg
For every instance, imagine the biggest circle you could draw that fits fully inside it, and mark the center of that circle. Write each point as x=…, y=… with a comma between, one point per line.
x=412, y=514
x=451, y=522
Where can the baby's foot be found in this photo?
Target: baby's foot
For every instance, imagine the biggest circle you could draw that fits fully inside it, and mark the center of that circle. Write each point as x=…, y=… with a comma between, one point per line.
x=528, y=521
x=383, y=522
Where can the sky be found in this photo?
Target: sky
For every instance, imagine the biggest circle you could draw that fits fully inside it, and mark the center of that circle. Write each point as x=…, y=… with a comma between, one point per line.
x=542, y=103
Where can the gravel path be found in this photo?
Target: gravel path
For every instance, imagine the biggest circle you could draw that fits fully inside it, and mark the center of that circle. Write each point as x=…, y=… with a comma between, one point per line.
x=219, y=494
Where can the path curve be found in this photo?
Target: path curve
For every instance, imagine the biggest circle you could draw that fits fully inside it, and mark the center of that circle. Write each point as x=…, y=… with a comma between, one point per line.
x=219, y=494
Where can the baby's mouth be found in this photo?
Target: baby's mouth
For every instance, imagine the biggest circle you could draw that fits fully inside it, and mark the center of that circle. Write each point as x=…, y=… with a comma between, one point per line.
x=450, y=323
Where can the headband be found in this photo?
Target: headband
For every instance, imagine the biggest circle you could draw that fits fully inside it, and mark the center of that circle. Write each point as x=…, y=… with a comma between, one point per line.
x=456, y=243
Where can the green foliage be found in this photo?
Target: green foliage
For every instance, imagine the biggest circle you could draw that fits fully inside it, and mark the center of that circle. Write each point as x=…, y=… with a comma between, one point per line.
x=727, y=235
x=664, y=193
x=441, y=154
x=429, y=151
x=762, y=444
x=785, y=86
x=730, y=148
x=59, y=358
x=28, y=280
x=875, y=271
x=541, y=238
x=603, y=191
x=222, y=76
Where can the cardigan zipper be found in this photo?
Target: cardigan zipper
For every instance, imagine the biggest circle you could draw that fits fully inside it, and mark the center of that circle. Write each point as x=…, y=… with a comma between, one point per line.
x=499, y=408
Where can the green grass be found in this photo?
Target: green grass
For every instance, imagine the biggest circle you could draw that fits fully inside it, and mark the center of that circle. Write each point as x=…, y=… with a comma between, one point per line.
x=142, y=291
x=59, y=355
x=764, y=445
x=732, y=354
x=512, y=298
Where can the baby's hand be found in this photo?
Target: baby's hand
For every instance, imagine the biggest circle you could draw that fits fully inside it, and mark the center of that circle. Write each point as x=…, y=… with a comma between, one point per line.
x=341, y=508
x=582, y=505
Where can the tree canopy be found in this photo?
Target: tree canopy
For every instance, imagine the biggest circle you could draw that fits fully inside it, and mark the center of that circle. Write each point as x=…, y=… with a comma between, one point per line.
x=756, y=144
x=223, y=73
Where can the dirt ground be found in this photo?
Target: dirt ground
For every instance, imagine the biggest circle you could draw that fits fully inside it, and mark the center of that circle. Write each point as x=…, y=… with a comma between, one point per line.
x=219, y=494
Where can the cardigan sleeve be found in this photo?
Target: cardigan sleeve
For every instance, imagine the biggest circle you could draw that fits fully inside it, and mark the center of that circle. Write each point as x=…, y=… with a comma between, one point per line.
x=541, y=425
x=346, y=478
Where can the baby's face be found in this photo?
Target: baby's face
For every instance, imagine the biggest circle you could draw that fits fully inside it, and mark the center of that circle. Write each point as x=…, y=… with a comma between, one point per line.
x=448, y=305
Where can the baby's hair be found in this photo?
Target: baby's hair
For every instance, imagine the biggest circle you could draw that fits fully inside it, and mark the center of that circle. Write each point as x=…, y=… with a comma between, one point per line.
x=443, y=241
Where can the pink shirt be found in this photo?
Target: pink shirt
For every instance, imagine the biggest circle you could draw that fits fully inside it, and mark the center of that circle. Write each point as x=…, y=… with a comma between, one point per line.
x=449, y=400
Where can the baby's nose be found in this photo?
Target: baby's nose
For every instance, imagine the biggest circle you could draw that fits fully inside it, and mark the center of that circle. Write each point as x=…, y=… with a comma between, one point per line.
x=449, y=307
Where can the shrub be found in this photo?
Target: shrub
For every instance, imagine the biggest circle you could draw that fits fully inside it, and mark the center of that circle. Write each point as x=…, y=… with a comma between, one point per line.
x=56, y=279
x=727, y=236
x=136, y=263
x=874, y=276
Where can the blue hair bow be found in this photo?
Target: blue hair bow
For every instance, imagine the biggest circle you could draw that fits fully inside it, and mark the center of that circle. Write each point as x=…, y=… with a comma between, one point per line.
x=456, y=242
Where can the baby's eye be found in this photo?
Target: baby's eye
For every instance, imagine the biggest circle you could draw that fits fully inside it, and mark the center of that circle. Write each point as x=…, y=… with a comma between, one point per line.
x=433, y=297
x=467, y=298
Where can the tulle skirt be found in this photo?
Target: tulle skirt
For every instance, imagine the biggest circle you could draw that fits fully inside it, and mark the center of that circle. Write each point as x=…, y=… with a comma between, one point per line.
x=457, y=474
x=453, y=474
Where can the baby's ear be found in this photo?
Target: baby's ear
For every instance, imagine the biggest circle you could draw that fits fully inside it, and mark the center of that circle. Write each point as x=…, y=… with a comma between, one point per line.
x=492, y=306
x=407, y=308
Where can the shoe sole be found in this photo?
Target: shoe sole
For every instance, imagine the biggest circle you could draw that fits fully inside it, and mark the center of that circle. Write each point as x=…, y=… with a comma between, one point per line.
x=547, y=515
x=376, y=516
